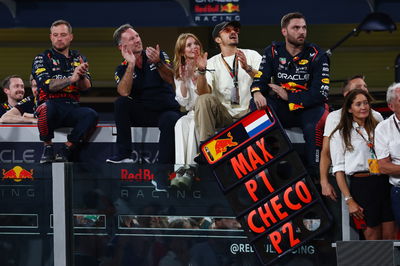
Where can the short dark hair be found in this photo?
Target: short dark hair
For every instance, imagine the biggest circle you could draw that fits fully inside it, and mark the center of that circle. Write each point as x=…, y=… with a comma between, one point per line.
x=5, y=84
x=346, y=86
x=118, y=32
x=288, y=17
x=61, y=22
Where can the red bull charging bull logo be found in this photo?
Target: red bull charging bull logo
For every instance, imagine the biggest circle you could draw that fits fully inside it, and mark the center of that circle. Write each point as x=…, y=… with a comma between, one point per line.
x=17, y=174
x=229, y=8
x=294, y=87
x=216, y=148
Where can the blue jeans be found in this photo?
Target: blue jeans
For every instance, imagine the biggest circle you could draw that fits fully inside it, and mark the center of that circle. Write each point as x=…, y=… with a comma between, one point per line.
x=395, y=196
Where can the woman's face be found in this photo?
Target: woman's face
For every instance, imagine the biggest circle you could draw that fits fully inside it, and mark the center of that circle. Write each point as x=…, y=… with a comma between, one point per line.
x=360, y=108
x=192, y=48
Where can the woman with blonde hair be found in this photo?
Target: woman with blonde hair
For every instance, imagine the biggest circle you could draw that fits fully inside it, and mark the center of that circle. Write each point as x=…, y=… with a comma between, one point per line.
x=353, y=154
x=189, y=74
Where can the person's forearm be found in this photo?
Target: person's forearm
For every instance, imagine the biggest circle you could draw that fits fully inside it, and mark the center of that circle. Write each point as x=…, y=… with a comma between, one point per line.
x=342, y=183
x=17, y=119
x=388, y=168
x=59, y=84
x=124, y=87
x=166, y=73
x=84, y=84
x=202, y=85
x=324, y=163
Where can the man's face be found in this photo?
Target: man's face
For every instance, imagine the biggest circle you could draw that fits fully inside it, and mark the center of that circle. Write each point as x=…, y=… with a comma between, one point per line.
x=296, y=32
x=132, y=40
x=34, y=87
x=60, y=37
x=357, y=83
x=229, y=36
x=394, y=105
x=16, y=89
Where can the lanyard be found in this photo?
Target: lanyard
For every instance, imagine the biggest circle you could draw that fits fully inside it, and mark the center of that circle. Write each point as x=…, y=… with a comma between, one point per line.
x=369, y=143
x=233, y=72
x=395, y=123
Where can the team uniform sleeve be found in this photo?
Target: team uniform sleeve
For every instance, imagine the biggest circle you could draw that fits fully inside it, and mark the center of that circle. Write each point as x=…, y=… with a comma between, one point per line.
x=337, y=150
x=381, y=144
x=41, y=71
x=264, y=74
x=119, y=72
x=165, y=58
x=318, y=87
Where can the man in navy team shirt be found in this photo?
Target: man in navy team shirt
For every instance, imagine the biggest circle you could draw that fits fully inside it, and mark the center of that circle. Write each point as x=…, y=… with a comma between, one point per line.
x=147, y=98
x=62, y=74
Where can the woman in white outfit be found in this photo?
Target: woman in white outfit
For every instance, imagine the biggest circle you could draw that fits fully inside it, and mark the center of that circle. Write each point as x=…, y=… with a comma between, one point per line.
x=353, y=154
x=189, y=57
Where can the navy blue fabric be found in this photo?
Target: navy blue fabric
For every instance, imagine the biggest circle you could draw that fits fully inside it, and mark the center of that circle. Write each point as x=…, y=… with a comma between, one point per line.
x=56, y=113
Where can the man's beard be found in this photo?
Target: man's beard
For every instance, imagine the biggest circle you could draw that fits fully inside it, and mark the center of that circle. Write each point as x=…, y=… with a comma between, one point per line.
x=61, y=49
x=295, y=43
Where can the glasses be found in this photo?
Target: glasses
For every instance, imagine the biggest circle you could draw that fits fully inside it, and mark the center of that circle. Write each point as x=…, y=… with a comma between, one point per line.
x=230, y=29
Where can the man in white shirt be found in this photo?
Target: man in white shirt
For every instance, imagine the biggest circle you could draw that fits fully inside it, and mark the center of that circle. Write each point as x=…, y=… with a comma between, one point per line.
x=226, y=95
x=355, y=82
x=387, y=147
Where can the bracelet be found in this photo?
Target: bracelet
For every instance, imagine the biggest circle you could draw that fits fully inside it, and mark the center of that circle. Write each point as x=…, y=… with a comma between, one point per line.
x=255, y=89
x=249, y=69
x=346, y=199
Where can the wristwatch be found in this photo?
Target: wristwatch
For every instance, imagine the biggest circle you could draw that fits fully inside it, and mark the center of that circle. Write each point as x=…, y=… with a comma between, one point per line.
x=346, y=199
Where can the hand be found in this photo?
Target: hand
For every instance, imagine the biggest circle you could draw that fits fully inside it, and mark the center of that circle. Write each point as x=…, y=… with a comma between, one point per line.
x=242, y=59
x=328, y=190
x=260, y=100
x=355, y=210
x=153, y=54
x=282, y=93
x=201, y=61
x=185, y=71
x=128, y=55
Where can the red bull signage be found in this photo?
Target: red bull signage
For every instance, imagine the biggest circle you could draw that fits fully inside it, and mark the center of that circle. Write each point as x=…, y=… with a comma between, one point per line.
x=267, y=185
x=17, y=174
x=211, y=12
x=237, y=135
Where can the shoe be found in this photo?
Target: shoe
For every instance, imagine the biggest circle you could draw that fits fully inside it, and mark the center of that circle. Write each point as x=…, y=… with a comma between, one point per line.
x=199, y=159
x=185, y=182
x=118, y=158
x=179, y=174
x=64, y=154
x=48, y=154
x=159, y=185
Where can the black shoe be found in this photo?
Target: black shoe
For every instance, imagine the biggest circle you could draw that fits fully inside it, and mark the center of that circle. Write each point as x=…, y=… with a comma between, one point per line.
x=119, y=158
x=64, y=154
x=199, y=159
x=48, y=154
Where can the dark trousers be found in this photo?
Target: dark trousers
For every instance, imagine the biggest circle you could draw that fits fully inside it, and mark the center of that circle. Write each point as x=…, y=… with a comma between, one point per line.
x=395, y=197
x=57, y=113
x=130, y=113
x=311, y=120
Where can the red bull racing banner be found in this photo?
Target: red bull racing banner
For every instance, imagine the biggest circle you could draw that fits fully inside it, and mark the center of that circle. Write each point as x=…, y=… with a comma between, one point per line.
x=267, y=185
x=211, y=12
